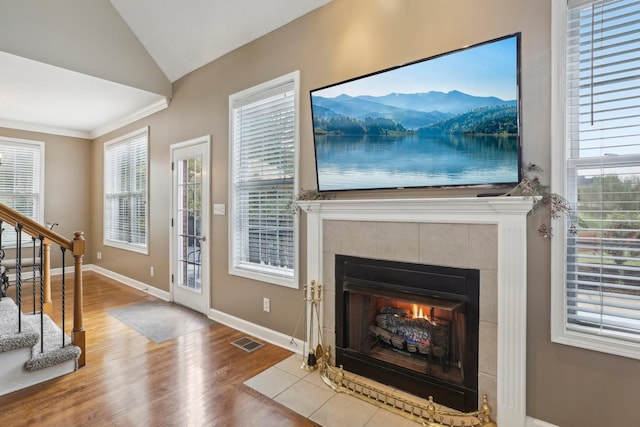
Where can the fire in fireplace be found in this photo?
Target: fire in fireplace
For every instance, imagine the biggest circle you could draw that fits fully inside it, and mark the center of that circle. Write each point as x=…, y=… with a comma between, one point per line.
x=411, y=326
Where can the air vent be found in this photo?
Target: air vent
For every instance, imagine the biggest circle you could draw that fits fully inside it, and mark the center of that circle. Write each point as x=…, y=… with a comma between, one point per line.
x=247, y=344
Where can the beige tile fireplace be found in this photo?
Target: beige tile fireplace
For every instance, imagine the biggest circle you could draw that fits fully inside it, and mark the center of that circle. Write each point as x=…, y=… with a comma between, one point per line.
x=488, y=234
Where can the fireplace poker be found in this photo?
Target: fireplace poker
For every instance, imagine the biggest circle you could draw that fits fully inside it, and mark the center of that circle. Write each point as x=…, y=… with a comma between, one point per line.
x=309, y=363
x=316, y=306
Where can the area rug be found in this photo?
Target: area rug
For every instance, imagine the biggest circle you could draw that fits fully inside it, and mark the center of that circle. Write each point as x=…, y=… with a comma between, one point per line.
x=159, y=320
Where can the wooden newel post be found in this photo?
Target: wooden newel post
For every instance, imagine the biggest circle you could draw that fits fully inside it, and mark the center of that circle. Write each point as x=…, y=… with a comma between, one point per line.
x=47, y=304
x=77, y=335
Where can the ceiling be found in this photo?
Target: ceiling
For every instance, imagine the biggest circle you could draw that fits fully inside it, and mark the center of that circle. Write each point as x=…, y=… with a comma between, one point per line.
x=43, y=87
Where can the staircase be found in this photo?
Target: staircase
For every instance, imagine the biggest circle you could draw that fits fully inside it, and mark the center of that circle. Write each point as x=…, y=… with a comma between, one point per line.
x=33, y=348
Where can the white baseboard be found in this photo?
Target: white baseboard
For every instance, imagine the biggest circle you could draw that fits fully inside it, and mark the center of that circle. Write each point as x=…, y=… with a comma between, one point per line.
x=265, y=334
x=532, y=422
x=141, y=286
x=268, y=335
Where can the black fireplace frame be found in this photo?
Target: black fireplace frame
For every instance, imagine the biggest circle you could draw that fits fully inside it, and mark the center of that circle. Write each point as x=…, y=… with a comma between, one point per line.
x=410, y=279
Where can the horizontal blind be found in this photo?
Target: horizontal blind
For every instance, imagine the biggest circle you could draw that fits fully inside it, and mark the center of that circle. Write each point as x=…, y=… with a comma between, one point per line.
x=263, y=181
x=125, y=198
x=603, y=162
x=20, y=184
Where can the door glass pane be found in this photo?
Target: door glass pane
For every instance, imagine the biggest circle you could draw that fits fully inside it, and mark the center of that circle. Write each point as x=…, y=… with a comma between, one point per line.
x=189, y=223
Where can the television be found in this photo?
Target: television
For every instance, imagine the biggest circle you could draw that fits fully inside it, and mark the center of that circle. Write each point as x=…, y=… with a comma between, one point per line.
x=445, y=121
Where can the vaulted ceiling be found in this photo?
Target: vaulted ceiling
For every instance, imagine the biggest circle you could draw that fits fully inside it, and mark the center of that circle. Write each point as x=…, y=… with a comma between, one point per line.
x=83, y=68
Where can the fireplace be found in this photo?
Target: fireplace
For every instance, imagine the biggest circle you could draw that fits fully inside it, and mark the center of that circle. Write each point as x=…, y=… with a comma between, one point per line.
x=487, y=233
x=411, y=326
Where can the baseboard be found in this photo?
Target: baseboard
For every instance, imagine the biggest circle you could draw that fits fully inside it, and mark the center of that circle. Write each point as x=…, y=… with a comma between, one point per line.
x=532, y=422
x=141, y=286
x=266, y=334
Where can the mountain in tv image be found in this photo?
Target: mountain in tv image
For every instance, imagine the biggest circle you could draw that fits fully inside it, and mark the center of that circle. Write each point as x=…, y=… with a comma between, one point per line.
x=429, y=113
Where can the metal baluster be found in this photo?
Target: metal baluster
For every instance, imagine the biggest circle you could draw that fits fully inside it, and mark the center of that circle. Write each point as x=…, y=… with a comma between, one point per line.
x=41, y=238
x=33, y=282
x=19, y=274
x=64, y=251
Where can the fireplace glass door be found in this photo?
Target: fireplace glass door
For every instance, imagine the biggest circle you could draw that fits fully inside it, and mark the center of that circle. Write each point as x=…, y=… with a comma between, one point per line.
x=422, y=334
x=411, y=326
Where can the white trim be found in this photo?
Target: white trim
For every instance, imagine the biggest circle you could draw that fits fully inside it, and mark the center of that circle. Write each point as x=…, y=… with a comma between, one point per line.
x=51, y=130
x=265, y=334
x=510, y=215
x=103, y=130
x=205, y=245
x=235, y=100
x=141, y=286
x=559, y=332
x=141, y=249
x=137, y=115
x=41, y=167
x=532, y=422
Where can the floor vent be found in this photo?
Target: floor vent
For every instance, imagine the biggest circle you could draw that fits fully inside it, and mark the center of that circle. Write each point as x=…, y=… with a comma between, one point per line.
x=247, y=344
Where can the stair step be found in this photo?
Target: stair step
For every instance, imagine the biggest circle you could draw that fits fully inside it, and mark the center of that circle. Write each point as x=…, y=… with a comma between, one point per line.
x=54, y=353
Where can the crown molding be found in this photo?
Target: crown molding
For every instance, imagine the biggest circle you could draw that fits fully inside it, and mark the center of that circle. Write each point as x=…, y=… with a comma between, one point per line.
x=140, y=114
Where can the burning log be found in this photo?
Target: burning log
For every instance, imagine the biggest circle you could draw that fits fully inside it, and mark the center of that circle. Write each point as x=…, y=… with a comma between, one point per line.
x=395, y=327
x=416, y=330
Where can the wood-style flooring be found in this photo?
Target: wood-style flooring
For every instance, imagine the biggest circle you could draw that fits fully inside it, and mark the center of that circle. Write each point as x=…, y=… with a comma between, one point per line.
x=128, y=380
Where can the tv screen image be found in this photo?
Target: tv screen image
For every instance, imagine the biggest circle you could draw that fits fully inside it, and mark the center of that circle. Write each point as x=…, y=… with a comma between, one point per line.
x=448, y=120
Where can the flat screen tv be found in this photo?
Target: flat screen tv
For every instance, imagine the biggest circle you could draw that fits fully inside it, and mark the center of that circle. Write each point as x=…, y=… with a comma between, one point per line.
x=448, y=120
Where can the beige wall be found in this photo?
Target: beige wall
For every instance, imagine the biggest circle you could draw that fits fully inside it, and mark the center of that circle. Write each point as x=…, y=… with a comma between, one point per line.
x=348, y=38
x=67, y=186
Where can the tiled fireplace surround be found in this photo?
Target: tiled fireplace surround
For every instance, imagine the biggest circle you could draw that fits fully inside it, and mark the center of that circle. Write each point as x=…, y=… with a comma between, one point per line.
x=488, y=234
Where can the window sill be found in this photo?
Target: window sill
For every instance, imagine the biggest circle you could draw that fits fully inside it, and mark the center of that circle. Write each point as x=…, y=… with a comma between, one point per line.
x=251, y=271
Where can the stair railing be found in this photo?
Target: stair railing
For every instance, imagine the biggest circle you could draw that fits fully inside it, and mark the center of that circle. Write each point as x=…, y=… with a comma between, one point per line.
x=43, y=237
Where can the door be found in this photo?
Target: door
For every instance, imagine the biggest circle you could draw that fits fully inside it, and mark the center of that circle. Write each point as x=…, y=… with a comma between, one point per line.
x=190, y=224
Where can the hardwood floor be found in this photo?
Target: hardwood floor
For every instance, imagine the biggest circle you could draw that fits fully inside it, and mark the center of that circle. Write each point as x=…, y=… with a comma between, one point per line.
x=128, y=380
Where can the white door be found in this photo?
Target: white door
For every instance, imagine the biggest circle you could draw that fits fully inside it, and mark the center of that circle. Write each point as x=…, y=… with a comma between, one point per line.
x=190, y=223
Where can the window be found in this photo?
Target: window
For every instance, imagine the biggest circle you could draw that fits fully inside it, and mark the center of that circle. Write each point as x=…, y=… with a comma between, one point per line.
x=597, y=290
x=125, y=192
x=263, y=163
x=21, y=182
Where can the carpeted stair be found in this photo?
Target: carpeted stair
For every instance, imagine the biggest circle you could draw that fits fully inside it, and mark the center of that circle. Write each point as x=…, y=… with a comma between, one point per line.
x=54, y=353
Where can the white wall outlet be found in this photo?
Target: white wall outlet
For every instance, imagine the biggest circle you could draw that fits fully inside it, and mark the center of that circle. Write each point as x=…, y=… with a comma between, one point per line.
x=151, y=271
x=99, y=255
x=266, y=304
x=218, y=209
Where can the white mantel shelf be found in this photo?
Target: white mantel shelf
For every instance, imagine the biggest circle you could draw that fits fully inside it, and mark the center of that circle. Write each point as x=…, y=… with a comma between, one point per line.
x=464, y=209
x=510, y=215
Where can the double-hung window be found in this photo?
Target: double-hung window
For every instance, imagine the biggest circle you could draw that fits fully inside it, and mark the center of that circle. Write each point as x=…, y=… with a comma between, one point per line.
x=596, y=288
x=21, y=181
x=125, y=192
x=263, y=163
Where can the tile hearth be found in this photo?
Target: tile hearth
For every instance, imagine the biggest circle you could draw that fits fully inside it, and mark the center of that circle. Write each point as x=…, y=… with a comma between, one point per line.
x=305, y=393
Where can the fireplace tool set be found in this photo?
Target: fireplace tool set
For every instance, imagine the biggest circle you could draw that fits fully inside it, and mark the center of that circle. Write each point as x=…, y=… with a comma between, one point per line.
x=312, y=303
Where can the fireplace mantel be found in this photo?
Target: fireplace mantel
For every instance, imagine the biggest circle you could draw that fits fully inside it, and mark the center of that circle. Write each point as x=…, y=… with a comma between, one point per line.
x=510, y=216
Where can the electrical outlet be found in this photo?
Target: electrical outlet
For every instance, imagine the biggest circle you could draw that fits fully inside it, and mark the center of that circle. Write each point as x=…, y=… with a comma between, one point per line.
x=266, y=304
x=151, y=272
x=99, y=255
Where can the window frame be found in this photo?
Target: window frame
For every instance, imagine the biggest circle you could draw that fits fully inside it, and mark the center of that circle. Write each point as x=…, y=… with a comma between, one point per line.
x=560, y=333
x=142, y=249
x=255, y=271
x=40, y=147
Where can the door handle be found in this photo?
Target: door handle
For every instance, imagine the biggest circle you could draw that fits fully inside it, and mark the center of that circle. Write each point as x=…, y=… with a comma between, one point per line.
x=201, y=238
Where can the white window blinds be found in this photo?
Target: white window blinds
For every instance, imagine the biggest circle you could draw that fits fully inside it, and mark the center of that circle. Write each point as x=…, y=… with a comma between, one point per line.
x=263, y=181
x=21, y=167
x=603, y=168
x=125, y=192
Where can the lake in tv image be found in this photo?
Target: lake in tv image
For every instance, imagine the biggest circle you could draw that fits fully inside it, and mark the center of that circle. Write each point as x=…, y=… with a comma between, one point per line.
x=448, y=120
x=369, y=162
